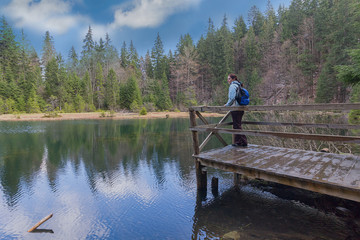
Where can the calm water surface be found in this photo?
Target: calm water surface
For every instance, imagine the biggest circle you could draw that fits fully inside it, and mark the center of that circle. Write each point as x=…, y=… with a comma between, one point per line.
x=134, y=179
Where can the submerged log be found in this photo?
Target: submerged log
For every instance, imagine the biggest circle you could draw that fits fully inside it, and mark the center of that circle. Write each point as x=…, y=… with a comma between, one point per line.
x=40, y=222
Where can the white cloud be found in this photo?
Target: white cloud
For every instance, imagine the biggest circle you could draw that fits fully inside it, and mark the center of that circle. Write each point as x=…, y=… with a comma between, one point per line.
x=52, y=15
x=149, y=13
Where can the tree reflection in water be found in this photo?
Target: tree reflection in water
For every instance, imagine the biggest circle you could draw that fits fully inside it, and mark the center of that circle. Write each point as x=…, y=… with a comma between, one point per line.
x=134, y=179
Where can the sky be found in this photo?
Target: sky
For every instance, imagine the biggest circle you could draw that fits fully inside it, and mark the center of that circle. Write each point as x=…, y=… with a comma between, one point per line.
x=124, y=20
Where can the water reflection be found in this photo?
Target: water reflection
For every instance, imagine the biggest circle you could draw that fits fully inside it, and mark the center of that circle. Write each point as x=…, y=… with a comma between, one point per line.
x=249, y=213
x=98, y=177
x=104, y=147
x=131, y=180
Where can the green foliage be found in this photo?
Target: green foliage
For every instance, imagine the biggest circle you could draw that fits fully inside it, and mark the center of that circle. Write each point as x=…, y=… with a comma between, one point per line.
x=187, y=98
x=292, y=18
x=20, y=103
x=124, y=56
x=2, y=106
x=163, y=101
x=68, y=108
x=354, y=115
x=251, y=85
x=99, y=92
x=104, y=114
x=130, y=93
x=133, y=55
x=111, y=90
x=134, y=106
x=90, y=107
x=157, y=58
x=52, y=81
x=48, y=50
x=240, y=29
x=52, y=114
x=185, y=41
x=79, y=104
x=9, y=106
x=256, y=18
x=143, y=111
x=150, y=106
x=9, y=52
x=32, y=104
x=326, y=88
x=350, y=73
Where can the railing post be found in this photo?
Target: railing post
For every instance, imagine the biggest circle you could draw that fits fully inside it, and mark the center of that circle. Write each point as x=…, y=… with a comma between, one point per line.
x=201, y=176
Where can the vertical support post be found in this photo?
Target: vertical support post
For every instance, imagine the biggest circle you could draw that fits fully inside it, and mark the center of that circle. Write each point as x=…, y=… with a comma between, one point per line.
x=240, y=179
x=237, y=179
x=215, y=186
x=201, y=176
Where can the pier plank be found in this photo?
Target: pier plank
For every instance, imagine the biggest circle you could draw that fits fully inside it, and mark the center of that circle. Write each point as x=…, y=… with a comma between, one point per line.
x=332, y=174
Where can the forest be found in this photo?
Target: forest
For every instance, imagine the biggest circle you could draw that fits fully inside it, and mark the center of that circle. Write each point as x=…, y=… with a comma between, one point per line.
x=306, y=53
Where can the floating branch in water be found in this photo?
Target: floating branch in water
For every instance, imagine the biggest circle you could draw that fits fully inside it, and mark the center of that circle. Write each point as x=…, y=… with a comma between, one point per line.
x=40, y=222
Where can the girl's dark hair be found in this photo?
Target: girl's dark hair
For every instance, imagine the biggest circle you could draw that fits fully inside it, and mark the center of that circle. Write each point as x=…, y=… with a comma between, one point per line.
x=233, y=76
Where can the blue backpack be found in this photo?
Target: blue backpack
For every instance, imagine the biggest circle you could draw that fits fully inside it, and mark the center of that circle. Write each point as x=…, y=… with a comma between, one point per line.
x=242, y=95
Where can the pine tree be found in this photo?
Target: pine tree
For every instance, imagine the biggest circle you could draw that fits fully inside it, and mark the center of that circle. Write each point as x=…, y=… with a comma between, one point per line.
x=256, y=19
x=148, y=66
x=252, y=57
x=52, y=82
x=240, y=29
x=87, y=60
x=207, y=58
x=157, y=57
x=89, y=44
x=185, y=41
x=133, y=55
x=163, y=101
x=100, y=52
x=99, y=87
x=130, y=96
x=111, y=90
x=89, y=93
x=341, y=36
x=26, y=78
x=32, y=103
x=292, y=18
x=111, y=55
x=268, y=28
x=225, y=54
x=350, y=74
x=124, y=56
x=73, y=60
x=48, y=49
x=9, y=53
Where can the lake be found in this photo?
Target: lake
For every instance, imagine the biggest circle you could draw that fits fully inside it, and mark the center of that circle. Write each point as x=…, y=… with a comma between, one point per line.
x=135, y=179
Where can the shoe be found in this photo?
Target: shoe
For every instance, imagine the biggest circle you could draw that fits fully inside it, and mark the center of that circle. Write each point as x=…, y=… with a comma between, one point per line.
x=239, y=145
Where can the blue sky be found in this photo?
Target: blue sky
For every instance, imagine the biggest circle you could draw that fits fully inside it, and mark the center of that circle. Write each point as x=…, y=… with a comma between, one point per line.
x=124, y=20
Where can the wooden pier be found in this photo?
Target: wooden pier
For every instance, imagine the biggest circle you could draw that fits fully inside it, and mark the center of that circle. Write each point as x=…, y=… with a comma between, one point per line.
x=332, y=174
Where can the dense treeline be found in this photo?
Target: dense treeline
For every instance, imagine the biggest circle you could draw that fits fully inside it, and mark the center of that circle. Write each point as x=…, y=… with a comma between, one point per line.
x=308, y=52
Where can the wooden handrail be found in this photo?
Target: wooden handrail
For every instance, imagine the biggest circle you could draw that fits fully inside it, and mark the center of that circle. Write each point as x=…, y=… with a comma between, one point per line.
x=320, y=137
x=289, y=124
x=215, y=129
x=306, y=107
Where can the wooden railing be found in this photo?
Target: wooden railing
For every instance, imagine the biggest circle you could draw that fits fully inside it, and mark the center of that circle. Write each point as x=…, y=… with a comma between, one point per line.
x=220, y=127
x=216, y=129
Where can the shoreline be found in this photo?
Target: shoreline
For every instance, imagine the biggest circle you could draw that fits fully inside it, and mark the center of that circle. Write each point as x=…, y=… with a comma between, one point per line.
x=97, y=115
